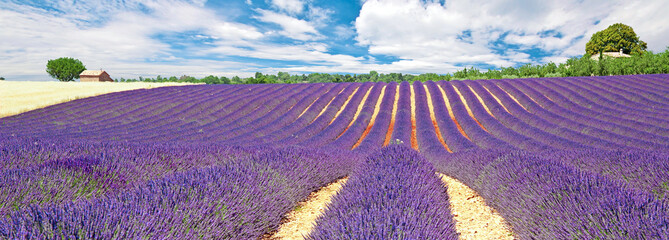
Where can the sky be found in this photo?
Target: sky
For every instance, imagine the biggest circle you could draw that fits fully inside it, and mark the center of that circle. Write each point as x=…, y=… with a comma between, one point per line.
x=132, y=38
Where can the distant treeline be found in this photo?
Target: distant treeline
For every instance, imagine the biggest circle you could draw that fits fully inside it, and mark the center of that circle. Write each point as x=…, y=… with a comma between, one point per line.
x=647, y=63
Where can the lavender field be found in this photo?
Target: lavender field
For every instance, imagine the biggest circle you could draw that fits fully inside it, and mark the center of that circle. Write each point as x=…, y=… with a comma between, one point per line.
x=558, y=158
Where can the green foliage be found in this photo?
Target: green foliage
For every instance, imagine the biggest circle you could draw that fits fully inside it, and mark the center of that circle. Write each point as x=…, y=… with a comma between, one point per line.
x=65, y=69
x=2, y=78
x=647, y=63
x=615, y=37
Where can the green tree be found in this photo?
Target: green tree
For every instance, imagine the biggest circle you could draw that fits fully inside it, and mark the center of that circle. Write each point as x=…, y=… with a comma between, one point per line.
x=615, y=37
x=2, y=78
x=65, y=69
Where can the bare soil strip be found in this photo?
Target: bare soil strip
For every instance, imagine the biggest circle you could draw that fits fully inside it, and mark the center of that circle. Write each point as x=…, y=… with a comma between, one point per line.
x=414, y=140
x=507, y=93
x=389, y=134
x=343, y=106
x=312, y=103
x=434, y=119
x=377, y=107
x=299, y=222
x=19, y=97
x=483, y=103
x=469, y=110
x=357, y=112
x=528, y=96
x=493, y=96
x=450, y=112
x=473, y=218
x=327, y=105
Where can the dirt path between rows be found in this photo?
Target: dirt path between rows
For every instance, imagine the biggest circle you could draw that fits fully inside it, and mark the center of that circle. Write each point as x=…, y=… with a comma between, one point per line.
x=302, y=219
x=473, y=218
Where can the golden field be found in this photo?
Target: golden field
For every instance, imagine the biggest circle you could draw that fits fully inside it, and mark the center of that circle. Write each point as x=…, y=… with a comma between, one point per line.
x=17, y=97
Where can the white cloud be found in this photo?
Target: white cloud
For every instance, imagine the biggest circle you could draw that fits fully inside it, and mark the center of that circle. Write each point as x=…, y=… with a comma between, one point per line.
x=31, y=36
x=122, y=36
x=469, y=32
x=292, y=27
x=289, y=6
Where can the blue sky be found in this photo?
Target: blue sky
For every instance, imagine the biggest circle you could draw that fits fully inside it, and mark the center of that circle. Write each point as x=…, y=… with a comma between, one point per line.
x=132, y=38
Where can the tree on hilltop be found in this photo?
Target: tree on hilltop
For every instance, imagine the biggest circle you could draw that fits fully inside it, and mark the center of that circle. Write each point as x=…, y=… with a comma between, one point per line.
x=65, y=69
x=615, y=37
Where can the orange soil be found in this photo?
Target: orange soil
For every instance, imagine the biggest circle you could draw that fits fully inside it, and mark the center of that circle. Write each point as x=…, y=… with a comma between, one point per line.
x=301, y=221
x=471, y=114
x=357, y=112
x=434, y=119
x=343, y=106
x=327, y=105
x=474, y=219
x=507, y=93
x=414, y=141
x=493, y=96
x=372, y=120
x=312, y=103
x=450, y=112
x=483, y=103
x=389, y=133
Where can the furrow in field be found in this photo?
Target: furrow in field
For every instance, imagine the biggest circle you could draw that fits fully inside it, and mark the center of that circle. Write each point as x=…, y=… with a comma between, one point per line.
x=300, y=222
x=389, y=134
x=357, y=111
x=414, y=140
x=312, y=103
x=346, y=104
x=377, y=107
x=327, y=105
x=520, y=122
x=296, y=126
x=474, y=219
x=500, y=101
x=430, y=105
x=450, y=113
x=469, y=110
x=276, y=120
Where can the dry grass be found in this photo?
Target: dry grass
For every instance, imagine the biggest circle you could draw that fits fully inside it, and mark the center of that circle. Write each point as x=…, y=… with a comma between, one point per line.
x=18, y=97
x=473, y=218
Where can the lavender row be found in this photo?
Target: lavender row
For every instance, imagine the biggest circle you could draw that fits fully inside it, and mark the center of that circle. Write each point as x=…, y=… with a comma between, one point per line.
x=43, y=171
x=353, y=132
x=323, y=104
x=78, y=110
x=471, y=128
x=547, y=198
x=239, y=199
x=452, y=136
x=628, y=91
x=535, y=116
x=512, y=122
x=267, y=112
x=306, y=110
x=402, y=129
x=492, y=125
x=321, y=122
x=426, y=133
x=377, y=134
x=337, y=125
x=394, y=194
x=604, y=128
x=558, y=93
x=606, y=97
